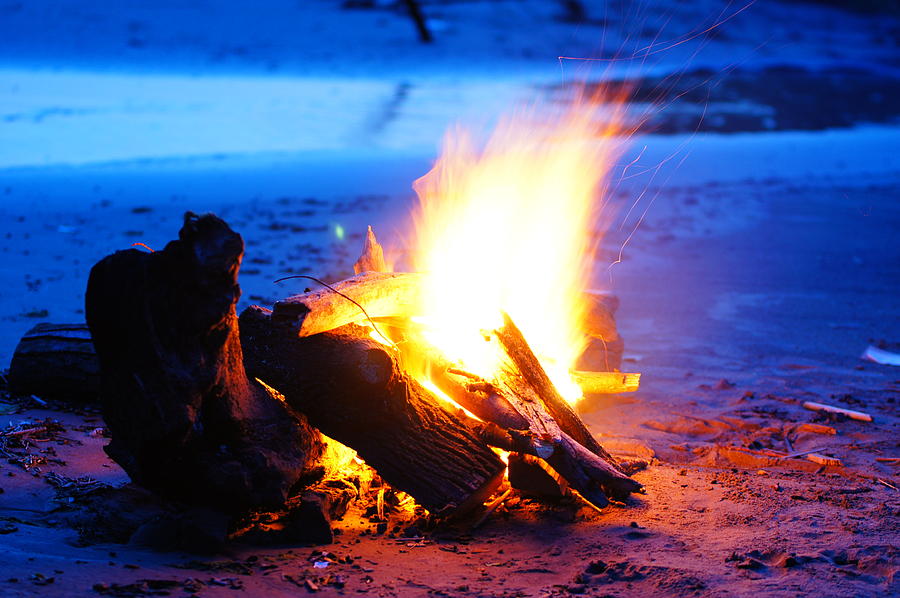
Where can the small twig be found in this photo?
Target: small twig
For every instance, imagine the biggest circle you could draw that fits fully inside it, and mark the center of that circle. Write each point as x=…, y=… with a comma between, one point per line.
x=892, y=460
x=787, y=443
x=491, y=507
x=25, y=431
x=888, y=484
x=464, y=374
x=800, y=453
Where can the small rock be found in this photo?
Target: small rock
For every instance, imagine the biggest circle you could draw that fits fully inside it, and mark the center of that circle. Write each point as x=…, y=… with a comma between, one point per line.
x=752, y=564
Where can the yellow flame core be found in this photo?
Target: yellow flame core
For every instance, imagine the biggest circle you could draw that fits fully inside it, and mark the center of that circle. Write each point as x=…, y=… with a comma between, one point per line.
x=512, y=226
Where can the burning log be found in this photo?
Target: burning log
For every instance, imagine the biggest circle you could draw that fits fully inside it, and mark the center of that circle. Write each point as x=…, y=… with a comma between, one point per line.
x=473, y=394
x=353, y=389
x=185, y=420
x=586, y=472
x=397, y=296
x=530, y=368
x=381, y=293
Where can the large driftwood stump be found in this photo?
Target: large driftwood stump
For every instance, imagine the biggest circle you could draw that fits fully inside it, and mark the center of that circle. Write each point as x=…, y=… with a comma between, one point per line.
x=352, y=388
x=185, y=420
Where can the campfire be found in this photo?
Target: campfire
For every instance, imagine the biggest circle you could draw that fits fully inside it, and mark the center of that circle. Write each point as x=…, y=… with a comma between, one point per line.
x=455, y=377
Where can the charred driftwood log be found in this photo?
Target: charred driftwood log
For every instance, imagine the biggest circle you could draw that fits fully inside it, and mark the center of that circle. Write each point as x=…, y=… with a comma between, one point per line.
x=56, y=361
x=185, y=420
x=352, y=388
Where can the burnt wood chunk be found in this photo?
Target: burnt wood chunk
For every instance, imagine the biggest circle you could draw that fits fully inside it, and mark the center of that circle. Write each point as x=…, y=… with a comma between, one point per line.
x=185, y=420
x=56, y=361
x=352, y=388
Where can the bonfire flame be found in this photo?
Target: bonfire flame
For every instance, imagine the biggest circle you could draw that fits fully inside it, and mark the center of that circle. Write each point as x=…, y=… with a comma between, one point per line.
x=511, y=226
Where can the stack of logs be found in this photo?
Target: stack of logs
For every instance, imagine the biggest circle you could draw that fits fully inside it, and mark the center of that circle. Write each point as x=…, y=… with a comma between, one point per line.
x=212, y=409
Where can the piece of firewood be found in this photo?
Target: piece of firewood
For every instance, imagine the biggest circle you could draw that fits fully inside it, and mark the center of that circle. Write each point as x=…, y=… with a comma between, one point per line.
x=606, y=382
x=814, y=429
x=185, y=420
x=372, y=258
x=473, y=394
x=353, y=389
x=381, y=294
x=823, y=459
x=527, y=363
x=857, y=415
x=56, y=361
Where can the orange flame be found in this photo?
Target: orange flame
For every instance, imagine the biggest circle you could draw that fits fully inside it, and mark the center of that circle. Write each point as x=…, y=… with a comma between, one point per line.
x=512, y=226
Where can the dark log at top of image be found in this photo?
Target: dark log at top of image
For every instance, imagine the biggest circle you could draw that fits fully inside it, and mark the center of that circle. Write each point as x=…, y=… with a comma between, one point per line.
x=184, y=418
